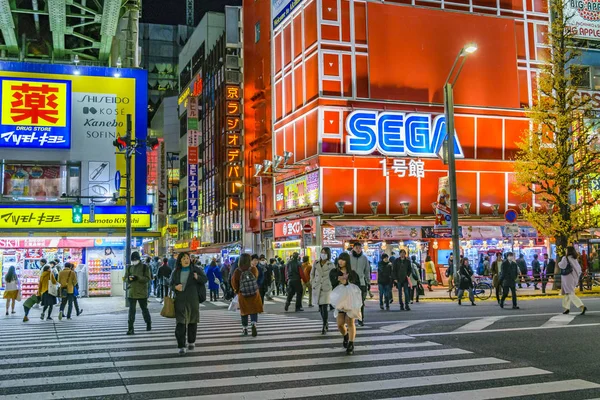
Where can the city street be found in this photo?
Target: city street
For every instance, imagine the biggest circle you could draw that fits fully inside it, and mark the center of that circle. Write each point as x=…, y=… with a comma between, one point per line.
x=437, y=350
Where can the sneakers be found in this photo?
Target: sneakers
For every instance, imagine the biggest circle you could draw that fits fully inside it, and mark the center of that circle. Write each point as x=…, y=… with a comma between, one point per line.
x=25, y=319
x=361, y=323
x=80, y=312
x=407, y=308
x=287, y=306
x=300, y=309
x=516, y=308
x=381, y=306
x=130, y=332
x=49, y=319
x=42, y=316
x=254, y=332
x=182, y=351
x=149, y=327
x=60, y=315
x=245, y=331
x=191, y=346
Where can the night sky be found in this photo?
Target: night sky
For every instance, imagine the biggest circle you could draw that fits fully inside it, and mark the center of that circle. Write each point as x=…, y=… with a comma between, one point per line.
x=154, y=11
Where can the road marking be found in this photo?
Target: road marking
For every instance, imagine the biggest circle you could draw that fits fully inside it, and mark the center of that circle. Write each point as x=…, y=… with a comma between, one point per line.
x=532, y=328
x=478, y=324
x=559, y=320
x=505, y=392
x=399, y=326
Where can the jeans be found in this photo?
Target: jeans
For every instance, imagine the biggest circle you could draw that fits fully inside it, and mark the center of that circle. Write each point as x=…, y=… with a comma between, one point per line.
x=461, y=292
x=403, y=287
x=163, y=288
x=295, y=288
x=65, y=300
x=180, y=331
x=385, y=292
x=214, y=294
x=132, y=310
x=512, y=288
x=253, y=318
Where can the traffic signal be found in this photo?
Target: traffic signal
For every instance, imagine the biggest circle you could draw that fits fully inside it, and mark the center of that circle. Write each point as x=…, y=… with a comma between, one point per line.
x=152, y=143
x=122, y=143
x=77, y=213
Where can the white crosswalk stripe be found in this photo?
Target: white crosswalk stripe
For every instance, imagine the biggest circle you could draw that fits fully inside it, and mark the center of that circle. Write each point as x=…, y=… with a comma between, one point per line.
x=90, y=357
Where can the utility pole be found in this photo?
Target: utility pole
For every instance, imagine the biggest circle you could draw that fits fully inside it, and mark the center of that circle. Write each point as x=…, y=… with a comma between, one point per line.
x=128, y=153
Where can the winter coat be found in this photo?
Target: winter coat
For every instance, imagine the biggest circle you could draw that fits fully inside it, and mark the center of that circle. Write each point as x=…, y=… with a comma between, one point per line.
x=306, y=267
x=536, y=268
x=402, y=270
x=522, y=266
x=321, y=284
x=293, y=271
x=415, y=276
x=509, y=273
x=268, y=276
x=43, y=285
x=496, y=267
x=430, y=271
x=225, y=269
x=465, y=277
x=384, y=273
x=278, y=272
x=214, y=273
x=248, y=305
x=187, y=302
x=67, y=279
x=138, y=289
x=336, y=273
x=569, y=282
x=361, y=266
x=165, y=272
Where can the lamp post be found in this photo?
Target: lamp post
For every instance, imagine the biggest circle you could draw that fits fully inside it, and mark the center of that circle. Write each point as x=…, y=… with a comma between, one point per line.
x=449, y=113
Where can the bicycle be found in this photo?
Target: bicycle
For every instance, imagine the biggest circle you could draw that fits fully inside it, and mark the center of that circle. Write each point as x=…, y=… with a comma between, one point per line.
x=482, y=288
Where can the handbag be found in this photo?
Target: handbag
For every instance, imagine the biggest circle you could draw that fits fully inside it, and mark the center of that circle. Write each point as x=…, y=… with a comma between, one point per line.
x=52, y=288
x=19, y=295
x=568, y=269
x=168, y=310
x=64, y=292
x=420, y=290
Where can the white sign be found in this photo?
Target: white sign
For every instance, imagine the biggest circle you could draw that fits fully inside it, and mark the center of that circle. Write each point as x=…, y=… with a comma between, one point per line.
x=583, y=18
x=161, y=181
x=193, y=138
x=415, y=168
x=192, y=107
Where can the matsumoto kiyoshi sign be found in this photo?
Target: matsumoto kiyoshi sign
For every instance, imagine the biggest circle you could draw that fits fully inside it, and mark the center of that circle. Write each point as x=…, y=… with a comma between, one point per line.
x=397, y=134
x=584, y=18
x=35, y=113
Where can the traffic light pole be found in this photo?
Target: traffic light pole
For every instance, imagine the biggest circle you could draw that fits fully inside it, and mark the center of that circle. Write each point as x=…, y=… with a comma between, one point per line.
x=128, y=154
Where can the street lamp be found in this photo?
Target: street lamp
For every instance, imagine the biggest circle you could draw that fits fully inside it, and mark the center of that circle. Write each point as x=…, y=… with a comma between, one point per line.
x=449, y=113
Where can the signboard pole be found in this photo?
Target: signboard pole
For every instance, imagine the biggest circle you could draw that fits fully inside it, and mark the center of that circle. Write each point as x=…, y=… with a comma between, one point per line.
x=128, y=204
x=260, y=215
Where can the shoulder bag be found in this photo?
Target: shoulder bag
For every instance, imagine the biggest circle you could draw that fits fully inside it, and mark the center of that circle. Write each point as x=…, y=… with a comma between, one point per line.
x=568, y=270
x=64, y=292
x=168, y=310
x=52, y=288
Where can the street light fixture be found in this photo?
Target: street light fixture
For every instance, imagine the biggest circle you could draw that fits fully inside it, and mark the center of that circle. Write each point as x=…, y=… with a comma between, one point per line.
x=470, y=48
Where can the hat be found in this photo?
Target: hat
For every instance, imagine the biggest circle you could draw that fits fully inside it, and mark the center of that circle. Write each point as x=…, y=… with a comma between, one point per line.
x=135, y=256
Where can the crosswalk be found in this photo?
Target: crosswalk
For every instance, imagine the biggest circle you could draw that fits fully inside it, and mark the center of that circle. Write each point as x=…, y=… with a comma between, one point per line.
x=90, y=358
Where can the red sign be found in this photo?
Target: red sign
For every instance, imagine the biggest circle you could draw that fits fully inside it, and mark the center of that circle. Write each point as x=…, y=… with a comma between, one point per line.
x=197, y=87
x=192, y=155
x=279, y=197
x=44, y=243
x=293, y=228
x=307, y=228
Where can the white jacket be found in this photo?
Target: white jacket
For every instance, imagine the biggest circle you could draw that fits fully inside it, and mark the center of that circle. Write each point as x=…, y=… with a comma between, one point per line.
x=321, y=284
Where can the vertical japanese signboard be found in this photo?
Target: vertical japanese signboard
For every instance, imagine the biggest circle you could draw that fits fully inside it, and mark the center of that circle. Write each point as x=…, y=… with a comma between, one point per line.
x=443, y=215
x=162, y=179
x=234, y=165
x=192, y=173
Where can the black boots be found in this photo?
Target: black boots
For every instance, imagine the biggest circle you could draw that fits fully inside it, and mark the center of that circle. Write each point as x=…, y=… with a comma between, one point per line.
x=346, y=338
x=325, y=328
x=350, y=348
x=130, y=330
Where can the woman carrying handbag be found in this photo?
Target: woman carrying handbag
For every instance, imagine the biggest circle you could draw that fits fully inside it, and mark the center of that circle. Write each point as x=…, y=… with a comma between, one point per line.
x=47, y=289
x=570, y=270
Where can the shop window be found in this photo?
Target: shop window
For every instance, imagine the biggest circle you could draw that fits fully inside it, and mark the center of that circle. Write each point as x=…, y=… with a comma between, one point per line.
x=39, y=182
x=580, y=76
x=596, y=78
x=257, y=32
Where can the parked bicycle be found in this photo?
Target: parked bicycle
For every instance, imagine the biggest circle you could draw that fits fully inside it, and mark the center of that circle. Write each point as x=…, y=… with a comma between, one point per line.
x=482, y=288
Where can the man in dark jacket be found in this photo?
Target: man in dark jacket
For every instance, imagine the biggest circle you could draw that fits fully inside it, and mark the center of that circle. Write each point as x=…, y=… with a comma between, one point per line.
x=384, y=280
x=277, y=272
x=294, y=275
x=360, y=264
x=164, y=274
x=549, y=266
x=401, y=271
x=522, y=264
x=536, y=269
x=509, y=274
x=137, y=276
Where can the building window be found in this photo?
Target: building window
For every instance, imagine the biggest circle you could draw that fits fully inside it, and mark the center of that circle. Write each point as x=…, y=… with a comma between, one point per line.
x=257, y=32
x=580, y=76
x=39, y=182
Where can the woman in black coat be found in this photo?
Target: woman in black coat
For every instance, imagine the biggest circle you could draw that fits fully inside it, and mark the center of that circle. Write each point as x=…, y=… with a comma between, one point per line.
x=466, y=283
x=187, y=282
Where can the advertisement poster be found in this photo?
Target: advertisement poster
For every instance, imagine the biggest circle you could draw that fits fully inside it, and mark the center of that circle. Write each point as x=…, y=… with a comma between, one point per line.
x=281, y=9
x=301, y=192
x=583, y=19
x=443, y=216
x=32, y=181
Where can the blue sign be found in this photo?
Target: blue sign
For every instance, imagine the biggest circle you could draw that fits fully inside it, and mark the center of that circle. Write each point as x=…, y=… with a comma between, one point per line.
x=192, y=200
x=397, y=134
x=117, y=180
x=35, y=113
x=281, y=9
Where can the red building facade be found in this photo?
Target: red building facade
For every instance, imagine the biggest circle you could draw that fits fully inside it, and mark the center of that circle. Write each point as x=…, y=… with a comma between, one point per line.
x=329, y=59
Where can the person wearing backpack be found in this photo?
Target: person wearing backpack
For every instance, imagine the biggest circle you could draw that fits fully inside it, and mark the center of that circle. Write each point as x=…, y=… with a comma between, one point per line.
x=570, y=270
x=295, y=275
x=245, y=285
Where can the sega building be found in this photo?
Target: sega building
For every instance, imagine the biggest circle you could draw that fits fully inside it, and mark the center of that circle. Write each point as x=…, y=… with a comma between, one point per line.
x=354, y=105
x=57, y=127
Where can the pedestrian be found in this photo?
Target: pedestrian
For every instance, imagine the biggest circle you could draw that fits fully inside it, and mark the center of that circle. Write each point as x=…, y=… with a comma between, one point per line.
x=570, y=271
x=48, y=300
x=187, y=281
x=466, y=283
x=225, y=276
x=536, y=270
x=78, y=310
x=414, y=279
x=283, y=277
x=154, y=266
x=384, y=281
x=67, y=279
x=245, y=283
x=402, y=269
x=295, y=275
x=486, y=266
x=496, y=268
x=164, y=276
x=137, y=276
x=268, y=282
x=172, y=261
x=430, y=273
x=54, y=268
x=509, y=273
x=344, y=274
x=277, y=274
x=306, y=287
x=480, y=266
x=11, y=290
x=214, y=280
x=28, y=304
x=522, y=264
x=321, y=284
x=549, y=265
x=450, y=273
x=359, y=263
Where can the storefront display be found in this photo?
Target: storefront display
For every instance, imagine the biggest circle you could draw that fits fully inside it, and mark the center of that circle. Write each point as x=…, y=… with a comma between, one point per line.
x=99, y=280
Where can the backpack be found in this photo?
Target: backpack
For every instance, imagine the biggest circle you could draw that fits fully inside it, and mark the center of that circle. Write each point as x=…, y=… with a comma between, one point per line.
x=248, y=284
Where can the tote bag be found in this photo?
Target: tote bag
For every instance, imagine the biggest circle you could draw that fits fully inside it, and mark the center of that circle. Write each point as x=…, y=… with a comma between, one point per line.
x=168, y=310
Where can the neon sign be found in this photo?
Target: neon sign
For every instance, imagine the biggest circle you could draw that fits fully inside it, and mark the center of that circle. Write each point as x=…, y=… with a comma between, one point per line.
x=397, y=134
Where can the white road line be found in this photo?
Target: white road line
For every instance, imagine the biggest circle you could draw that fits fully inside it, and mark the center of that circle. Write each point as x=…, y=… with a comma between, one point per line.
x=559, y=320
x=478, y=324
x=400, y=326
x=505, y=392
x=533, y=328
x=359, y=387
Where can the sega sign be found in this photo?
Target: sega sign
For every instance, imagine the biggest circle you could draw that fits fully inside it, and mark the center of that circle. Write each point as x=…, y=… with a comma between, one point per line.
x=397, y=134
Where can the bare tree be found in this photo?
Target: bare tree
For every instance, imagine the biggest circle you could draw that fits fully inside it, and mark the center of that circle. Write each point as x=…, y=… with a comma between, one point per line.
x=559, y=157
